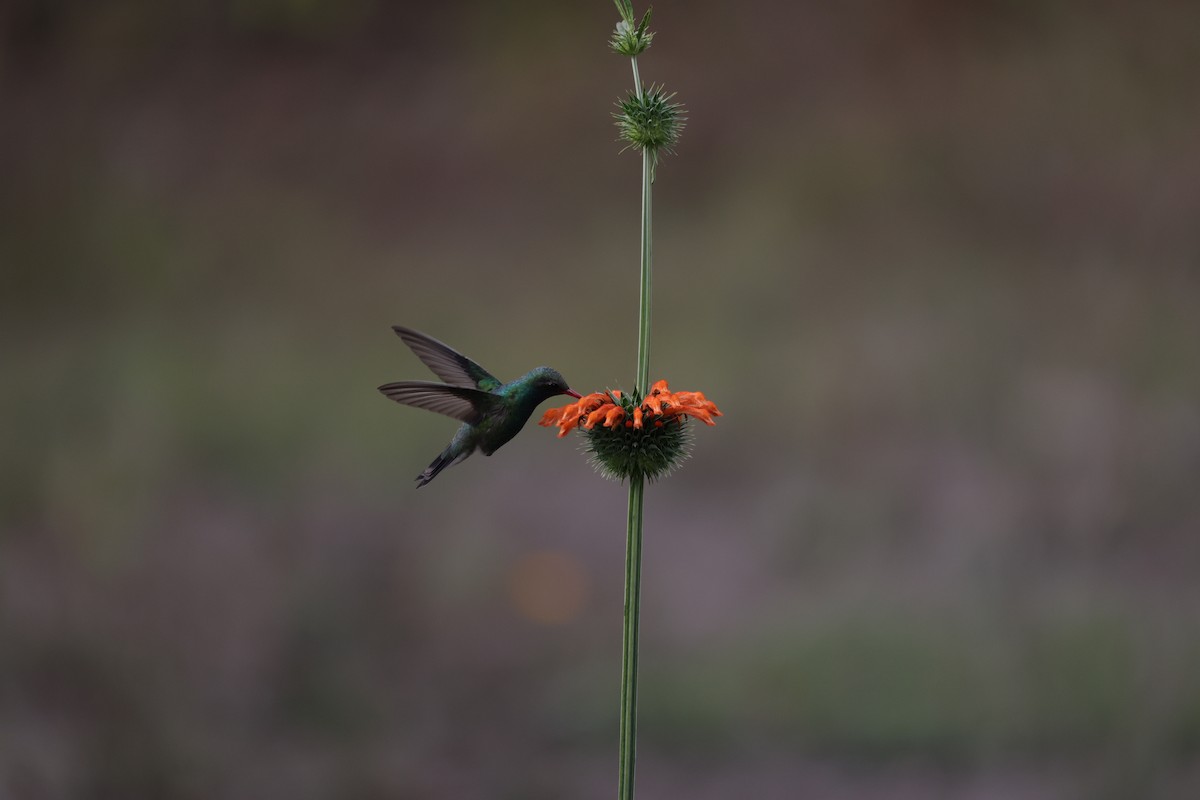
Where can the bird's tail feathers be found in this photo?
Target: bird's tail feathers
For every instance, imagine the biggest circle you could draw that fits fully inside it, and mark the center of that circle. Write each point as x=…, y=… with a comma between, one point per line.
x=446, y=459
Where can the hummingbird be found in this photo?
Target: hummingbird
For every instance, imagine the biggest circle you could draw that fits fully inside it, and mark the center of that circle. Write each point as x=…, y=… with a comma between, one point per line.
x=491, y=412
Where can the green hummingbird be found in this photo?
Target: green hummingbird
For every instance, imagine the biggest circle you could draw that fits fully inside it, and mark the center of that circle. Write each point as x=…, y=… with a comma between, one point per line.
x=491, y=412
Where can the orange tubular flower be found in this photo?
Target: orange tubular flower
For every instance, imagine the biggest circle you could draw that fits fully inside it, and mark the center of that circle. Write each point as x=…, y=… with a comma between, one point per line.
x=610, y=409
x=597, y=415
x=569, y=416
x=629, y=436
x=614, y=415
x=693, y=404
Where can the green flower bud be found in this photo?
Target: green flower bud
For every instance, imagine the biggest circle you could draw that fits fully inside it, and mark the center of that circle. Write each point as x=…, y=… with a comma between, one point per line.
x=630, y=37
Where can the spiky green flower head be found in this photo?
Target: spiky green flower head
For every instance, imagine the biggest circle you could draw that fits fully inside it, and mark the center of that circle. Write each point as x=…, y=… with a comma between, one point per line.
x=630, y=38
x=653, y=449
x=650, y=121
x=632, y=437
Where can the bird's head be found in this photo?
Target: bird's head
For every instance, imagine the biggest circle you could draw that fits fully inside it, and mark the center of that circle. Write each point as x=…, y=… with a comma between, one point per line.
x=547, y=382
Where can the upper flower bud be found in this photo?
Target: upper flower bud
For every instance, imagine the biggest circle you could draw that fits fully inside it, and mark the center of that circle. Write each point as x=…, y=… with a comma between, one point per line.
x=630, y=38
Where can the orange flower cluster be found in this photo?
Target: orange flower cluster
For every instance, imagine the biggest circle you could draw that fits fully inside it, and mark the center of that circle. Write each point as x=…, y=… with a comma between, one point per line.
x=607, y=409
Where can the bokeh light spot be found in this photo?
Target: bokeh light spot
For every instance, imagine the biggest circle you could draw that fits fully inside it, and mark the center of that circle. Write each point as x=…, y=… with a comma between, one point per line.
x=548, y=587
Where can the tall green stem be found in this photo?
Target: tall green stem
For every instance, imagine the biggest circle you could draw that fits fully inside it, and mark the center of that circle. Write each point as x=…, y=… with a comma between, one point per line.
x=627, y=750
x=643, y=369
x=643, y=362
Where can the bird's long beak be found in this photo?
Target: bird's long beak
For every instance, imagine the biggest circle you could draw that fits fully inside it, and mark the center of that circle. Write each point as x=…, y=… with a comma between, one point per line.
x=573, y=393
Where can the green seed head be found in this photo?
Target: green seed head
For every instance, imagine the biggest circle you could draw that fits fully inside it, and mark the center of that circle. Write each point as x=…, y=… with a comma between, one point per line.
x=650, y=122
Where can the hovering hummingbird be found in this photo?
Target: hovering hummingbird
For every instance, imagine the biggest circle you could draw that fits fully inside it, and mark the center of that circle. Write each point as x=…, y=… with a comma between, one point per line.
x=491, y=412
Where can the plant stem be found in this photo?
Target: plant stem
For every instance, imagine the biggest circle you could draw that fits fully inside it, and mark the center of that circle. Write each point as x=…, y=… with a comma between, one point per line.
x=643, y=363
x=627, y=749
x=643, y=368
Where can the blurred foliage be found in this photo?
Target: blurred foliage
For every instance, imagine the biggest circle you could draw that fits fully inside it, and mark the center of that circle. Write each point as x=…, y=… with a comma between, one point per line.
x=936, y=262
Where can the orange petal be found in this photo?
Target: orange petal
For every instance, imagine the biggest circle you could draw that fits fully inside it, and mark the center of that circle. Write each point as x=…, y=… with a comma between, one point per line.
x=567, y=425
x=659, y=387
x=707, y=405
x=698, y=400
x=591, y=402
x=698, y=413
x=597, y=415
x=637, y=417
x=614, y=415
x=552, y=417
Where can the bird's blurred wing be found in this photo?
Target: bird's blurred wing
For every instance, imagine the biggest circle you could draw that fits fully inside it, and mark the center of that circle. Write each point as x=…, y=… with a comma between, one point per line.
x=447, y=363
x=465, y=405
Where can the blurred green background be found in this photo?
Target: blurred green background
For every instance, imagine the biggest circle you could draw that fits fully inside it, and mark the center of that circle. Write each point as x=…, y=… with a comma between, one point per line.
x=938, y=263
